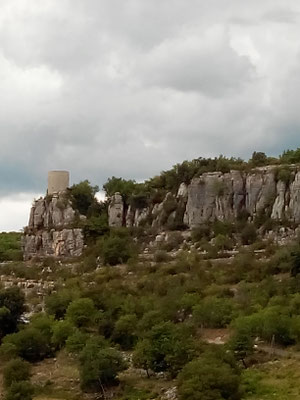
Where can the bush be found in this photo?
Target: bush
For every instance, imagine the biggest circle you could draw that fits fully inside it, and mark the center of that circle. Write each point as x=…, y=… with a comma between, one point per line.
x=83, y=196
x=57, y=303
x=62, y=330
x=16, y=370
x=12, y=306
x=117, y=248
x=30, y=344
x=125, y=331
x=22, y=390
x=167, y=347
x=81, y=312
x=201, y=232
x=213, y=312
x=76, y=342
x=161, y=256
x=99, y=365
x=249, y=234
x=209, y=378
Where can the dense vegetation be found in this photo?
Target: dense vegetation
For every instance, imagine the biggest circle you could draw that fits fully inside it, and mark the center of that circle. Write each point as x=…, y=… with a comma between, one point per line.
x=158, y=312
x=10, y=246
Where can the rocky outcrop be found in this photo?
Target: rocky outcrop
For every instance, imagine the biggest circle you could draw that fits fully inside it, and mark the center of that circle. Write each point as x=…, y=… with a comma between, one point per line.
x=49, y=231
x=116, y=211
x=221, y=196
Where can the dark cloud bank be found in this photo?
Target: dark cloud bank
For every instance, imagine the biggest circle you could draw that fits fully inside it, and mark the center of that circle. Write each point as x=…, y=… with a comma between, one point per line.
x=130, y=87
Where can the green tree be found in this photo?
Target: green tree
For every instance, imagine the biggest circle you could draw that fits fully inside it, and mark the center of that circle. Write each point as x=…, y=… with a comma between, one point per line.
x=81, y=312
x=125, y=331
x=125, y=187
x=213, y=312
x=57, y=303
x=30, y=344
x=62, y=330
x=83, y=196
x=99, y=365
x=12, y=306
x=169, y=347
x=209, y=378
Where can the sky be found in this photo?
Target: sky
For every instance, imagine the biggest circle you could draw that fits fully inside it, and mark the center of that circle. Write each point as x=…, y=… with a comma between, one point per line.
x=131, y=87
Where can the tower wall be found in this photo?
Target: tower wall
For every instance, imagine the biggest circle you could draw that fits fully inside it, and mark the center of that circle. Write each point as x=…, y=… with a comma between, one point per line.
x=58, y=181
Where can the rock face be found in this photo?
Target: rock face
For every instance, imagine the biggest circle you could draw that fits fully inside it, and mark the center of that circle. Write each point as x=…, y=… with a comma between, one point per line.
x=116, y=211
x=221, y=196
x=49, y=231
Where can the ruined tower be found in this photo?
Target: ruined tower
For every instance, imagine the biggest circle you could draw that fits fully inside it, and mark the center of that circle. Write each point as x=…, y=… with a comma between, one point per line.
x=58, y=181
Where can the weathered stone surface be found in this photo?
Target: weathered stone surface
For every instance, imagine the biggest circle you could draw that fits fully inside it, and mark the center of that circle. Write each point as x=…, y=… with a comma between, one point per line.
x=49, y=231
x=116, y=211
x=64, y=243
x=216, y=195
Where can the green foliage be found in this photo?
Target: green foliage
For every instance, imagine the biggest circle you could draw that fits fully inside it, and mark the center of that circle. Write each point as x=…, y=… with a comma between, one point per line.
x=29, y=343
x=83, y=196
x=99, y=365
x=214, y=312
x=12, y=306
x=57, y=303
x=76, y=341
x=283, y=174
x=167, y=347
x=117, y=248
x=259, y=159
x=95, y=226
x=123, y=186
x=209, y=378
x=290, y=156
x=125, y=331
x=16, y=370
x=62, y=330
x=242, y=344
x=81, y=312
x=22, y=390
x=10, y=246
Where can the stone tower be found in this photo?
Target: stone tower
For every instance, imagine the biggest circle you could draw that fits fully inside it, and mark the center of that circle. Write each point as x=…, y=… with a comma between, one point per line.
x=58, y=181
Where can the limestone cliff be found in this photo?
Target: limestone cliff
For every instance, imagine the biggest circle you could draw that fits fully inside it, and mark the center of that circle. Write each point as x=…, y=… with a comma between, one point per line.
x=49, y=231
x=221, y=196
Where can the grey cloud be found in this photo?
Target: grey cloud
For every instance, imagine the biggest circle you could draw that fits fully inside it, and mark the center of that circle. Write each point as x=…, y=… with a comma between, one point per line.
x=131, y=87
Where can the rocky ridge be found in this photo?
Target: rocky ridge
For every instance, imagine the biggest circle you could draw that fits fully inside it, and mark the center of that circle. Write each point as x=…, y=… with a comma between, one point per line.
x=49, y=231
x=216, y=195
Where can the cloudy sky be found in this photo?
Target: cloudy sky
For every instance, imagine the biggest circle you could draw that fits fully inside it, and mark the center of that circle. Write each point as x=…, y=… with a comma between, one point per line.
x=130, y=87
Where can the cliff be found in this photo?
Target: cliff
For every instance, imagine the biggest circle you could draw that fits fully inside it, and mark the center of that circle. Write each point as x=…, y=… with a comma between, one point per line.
x=219, y=196
x=49, y=231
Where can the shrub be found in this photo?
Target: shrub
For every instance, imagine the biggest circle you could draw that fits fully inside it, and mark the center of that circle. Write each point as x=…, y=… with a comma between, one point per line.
x=125, y=331
x=62, y=330
x=117, y=248
x=16, y=370
x=201, y=232
x=81, y=312
x=249, y=234
x=83, y=196
x=161, y=256
x=12, y=306
x=22, y=390
x=76, y=342
x=30, y=344
x=213, y=312
x=209, y=378
x=57, y=303
x=99, y=365
x=167, y=347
